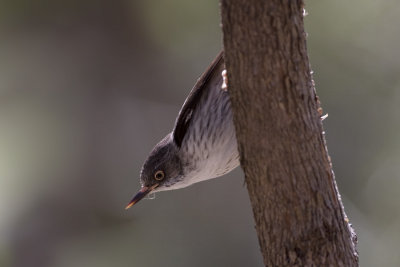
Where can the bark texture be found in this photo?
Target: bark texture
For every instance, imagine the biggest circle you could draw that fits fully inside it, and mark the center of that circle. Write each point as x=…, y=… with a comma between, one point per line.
x=297, y=208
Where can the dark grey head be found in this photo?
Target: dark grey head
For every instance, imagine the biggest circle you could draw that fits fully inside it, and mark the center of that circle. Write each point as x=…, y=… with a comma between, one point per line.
x=163, y=166
x=162, y=169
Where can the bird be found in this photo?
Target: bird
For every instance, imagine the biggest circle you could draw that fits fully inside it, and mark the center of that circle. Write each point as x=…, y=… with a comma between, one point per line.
x=202, y=144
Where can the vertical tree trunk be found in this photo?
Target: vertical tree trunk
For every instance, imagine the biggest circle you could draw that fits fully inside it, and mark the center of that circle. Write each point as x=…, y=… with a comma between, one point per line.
x=299, y=216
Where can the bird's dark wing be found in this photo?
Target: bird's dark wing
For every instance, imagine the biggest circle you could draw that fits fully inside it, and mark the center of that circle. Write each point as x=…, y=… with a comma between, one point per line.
x=203, y=84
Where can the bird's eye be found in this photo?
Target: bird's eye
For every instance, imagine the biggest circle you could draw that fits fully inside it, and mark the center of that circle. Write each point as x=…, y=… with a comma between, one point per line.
x=159, y=175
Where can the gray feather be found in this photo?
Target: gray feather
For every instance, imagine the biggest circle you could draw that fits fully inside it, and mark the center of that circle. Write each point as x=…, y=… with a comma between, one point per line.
x=201, y=88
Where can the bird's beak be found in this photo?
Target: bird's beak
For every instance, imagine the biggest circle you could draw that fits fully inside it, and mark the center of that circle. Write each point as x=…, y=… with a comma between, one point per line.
x=141, y=194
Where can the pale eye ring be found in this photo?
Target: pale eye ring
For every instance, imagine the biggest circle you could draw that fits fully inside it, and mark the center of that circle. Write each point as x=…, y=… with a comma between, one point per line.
x=159, y=175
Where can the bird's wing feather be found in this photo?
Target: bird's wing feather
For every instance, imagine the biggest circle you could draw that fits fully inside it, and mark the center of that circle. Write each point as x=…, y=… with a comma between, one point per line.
x=203, y=84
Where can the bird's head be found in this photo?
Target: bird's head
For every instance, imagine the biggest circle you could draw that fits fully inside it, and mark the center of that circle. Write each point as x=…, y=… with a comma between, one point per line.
x=162, y=169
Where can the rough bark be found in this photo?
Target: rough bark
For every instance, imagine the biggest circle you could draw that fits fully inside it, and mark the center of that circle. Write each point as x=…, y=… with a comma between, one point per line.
x=297, y=208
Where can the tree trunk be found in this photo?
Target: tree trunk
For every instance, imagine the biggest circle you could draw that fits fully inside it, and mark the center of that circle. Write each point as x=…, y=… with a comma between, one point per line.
x=297, y=208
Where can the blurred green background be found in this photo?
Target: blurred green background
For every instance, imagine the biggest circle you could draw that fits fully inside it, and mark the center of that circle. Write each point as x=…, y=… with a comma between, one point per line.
x=88, y=87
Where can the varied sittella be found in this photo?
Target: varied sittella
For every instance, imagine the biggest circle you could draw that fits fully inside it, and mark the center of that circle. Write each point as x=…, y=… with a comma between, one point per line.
x=202, y=145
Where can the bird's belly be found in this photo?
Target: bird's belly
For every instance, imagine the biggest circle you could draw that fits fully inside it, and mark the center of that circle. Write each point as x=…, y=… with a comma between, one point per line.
x=219, y=159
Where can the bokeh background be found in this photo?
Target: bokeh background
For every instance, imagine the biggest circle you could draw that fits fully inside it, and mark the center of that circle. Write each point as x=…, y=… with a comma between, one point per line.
x=88, y=87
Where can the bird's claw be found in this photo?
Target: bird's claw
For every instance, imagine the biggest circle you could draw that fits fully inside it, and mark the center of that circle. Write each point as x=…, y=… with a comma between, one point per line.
x=224, y=86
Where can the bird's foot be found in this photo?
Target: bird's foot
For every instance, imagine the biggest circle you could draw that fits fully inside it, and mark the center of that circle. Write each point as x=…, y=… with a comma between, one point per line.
x=224, y=86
